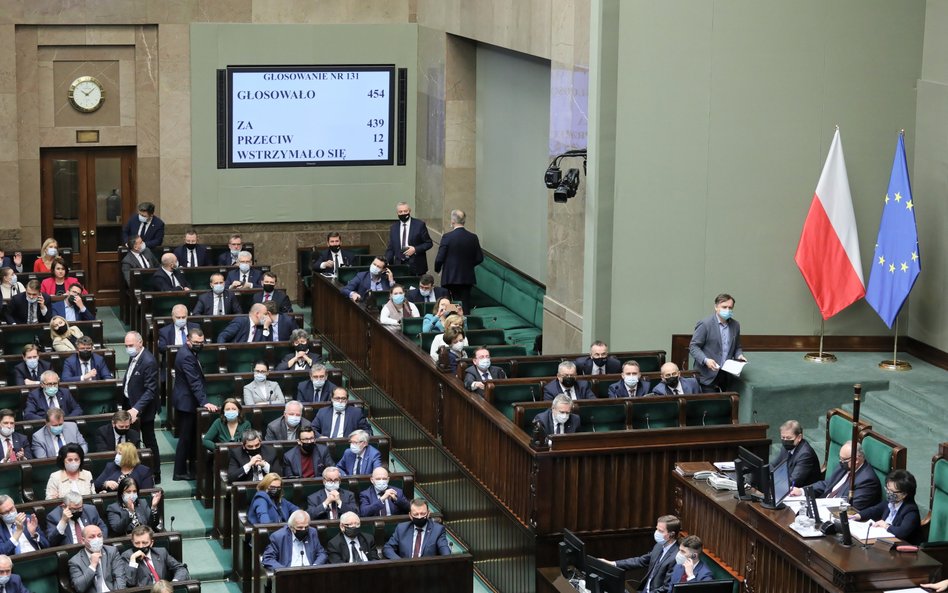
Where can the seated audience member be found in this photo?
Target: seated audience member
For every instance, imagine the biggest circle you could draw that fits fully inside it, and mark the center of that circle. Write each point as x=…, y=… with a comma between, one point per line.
x=253, y=327
x=192, y=254
x=566, y=382
x=72, y=307
x=689, y=568
x=48, y=253
x=245, y=276
x=96, y=567
x=235, y=245
x=59, y=280
x=454, y=340
x=220, y=301
x=146, y=225
x=437, y=321
x=10, y=285
x=868, y=491
x=85, y=365
x=304, y=355
x=70, y=477
x=29, y=306
x=63, y=336
x=12, y=583
x=49, y=440
x=272, y=293
x=109, y=436
x=673, y=383
x=261, y=390
x=802, y=464
x=131, y=510
x=19, y=531
x=598, y=362
x=377, y=278
x=281, y=326
x=659, y=562
x=28, y=372
x=297, y=544
x=145, y=561
x=286, y=427
x=898, y=514
x=559, y=419
x=317, y=388
x=268, y=504
x=452, y=322
x=14, y=262
x=341, y=419
x=65, y=523
x=229, y=427
x=176, y=333
x=50, y=395
x=397, y=308
x=252, y=461
x=380, y=499
x=350, y=544
x=332, y=501
x=361, y=457
x=126, y=464
x=168, y=277
x=333, y=257
x=632, y=384
x=308, y=458
x=427, y=292
x=13, y=445
x=139, y=257
x=418, y=537
x=478, y=374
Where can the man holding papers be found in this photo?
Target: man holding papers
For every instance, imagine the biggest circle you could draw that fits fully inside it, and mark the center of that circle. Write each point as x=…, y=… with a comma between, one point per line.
x=717, y=339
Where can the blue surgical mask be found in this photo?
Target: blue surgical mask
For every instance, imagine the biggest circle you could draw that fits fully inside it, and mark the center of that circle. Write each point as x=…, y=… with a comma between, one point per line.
x=724, y=314
x=259, y=377
x=95, y=544
x=131, y=351
x=234, y=252
x=355, y=448
x=130, y=497
x=659, y=537
x=13, y=280
x=630, y=380
x=293, y=421
x=181, y=323
x=398, y=299
x=339, y=406
x=424, y=292
x=218, y=288
x=375, y=270
x=380, y=485
x=483, y=364
x=230, y=415
x=56, y=430
x=331, y=486
x=142, y=218
x=51, y=391
x=118, y=459
x=32, y=363
x=244, y=268
x=318, y=383
x=52, y=251
x=4, y=580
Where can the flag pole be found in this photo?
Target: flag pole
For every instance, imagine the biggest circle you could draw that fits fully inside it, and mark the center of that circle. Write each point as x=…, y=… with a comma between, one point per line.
x=820, y=356
x=895, y=364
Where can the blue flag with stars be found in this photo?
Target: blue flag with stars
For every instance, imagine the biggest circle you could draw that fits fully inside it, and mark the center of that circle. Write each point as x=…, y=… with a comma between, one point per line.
x=896, y=264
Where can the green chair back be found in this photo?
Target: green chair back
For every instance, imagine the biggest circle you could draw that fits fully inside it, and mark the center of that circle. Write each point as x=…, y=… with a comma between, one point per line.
x=528, y=415
x=500, y=351
x=11, y=483
x=649, y=364
x=98, y=398
x=646, y=414
x=878, y=455
x=840, y=431
x=411, y=326
x=938, y=528
x=504, y=396
x=40, y=571
x=537, y=368
x=602, y=418
x=707, y=412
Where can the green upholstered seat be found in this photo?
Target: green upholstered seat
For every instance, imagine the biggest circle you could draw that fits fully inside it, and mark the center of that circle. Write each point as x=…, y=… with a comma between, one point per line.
x=840, y=431
x=504, y=396
x=503, y=350
x=878, y=455
x=650, y=414
x=97, y=397
x=938, y=527
x=537, y=368
x=602, y=418
x=707, y=412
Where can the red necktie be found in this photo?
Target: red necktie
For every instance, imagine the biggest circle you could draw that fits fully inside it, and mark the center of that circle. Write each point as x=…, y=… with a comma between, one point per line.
x=684, y=577
x=11, y=454
x=78, y=531
x=416, y=552
x=151, y=568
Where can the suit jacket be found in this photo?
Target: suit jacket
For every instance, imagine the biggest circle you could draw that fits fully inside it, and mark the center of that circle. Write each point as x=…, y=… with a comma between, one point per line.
x=293, y=461
x=618, y=389
x=418, y=238
x=160, y=282
x=104, y=439
x=371, y=459
x=581, y=390
x=154, y=233
x=89, y=516
x=166, y=565
x=459, y=253
x=142, y=386
x=803, y=466
x=279, y=297
x=284, y=364
x=72, y=368
x=400, y=545
x=59, y=308
x=305, y=392
x=130, y=262
x=338, y=548
x=545, y=419
x=284, y=327
x=325, y=255
x=166, y=335
x=362, y=284
x=706, y=343
x=371, y=506
x=472, y=374
x=276, y=429
x=141, y=473
x=585, y=364
x=226, y=259
x=238, y=330
x=314, y=504
x=907, y=523
x=239, y=458
x=17, y=310
x=205, y=303
x=120, y=522
x=21, y=373
x=352, y=420
x=254, y=276
x=189, y=392
x=37, y=404
x=15, y=585
x=7, y=547
x=660, y=575
x=200, y=254
x=110, y=567
x=701, y=572
x=279, y=552
x=414, y=295
x=868, y=490
x=44, y=443
x=688, y=386
x=20, y=441
x=263, y=510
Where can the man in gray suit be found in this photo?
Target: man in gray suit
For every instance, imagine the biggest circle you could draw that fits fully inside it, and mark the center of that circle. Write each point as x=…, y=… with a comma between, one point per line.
x=56, y=433
x=147, y=564
x=96, y=563
x=717, y=338
x=286, y=427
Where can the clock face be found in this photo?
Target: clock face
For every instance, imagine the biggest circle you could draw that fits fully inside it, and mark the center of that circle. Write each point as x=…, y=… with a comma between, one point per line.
x=86, y=94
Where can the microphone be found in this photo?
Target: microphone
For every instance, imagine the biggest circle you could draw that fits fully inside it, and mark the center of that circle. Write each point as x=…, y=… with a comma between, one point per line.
x=171, y=526
x=703, y=416
x=647, y=425
x=754, y=417
x=865, y=544
x=302, y=558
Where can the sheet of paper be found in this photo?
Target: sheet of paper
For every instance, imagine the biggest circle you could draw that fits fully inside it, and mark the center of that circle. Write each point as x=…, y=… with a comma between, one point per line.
x=863, y=530
x=912, y=590
x=724, y=466
x=733, y=366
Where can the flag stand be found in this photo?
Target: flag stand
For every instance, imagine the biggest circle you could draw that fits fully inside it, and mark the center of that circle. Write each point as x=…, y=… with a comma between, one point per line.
x=895, y=364
x=821, y=357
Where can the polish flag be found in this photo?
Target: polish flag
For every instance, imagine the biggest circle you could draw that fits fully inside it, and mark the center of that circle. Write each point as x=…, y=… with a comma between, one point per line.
x=828, y=253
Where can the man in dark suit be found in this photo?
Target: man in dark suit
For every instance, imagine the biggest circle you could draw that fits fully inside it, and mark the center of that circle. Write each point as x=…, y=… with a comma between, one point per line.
x=22, y=534
x=332, y=501
x=235, y=245
x=341, y=419
x=146, y=225
x=459, y=253
x=140, y=388
x=66, y=522
x=898, y=513
x=559, y=419
x=287, y=426
x=108, y=436
x=28, y=372
x=73, y=307
x=281, y=326
x=660, y=561
x=377, y=278
x=48, y=440
x=691, y=569
x=192, y=254
x=297, y=544
x=717, y=338
x=168, y=277
x=868, y=490
x=189, y=394
x=417, y=538
x=317, y=388
x=219, y=301
x=673, y=383
x=29, y=306
x=12, y=583
x=351, y=545
x=360, y=458
x=632, y=384
x=802, y=464
x=253, y=327
x=309, y=458
x=426, y=292
x=96, y=564
x=50, y=395
x=13, y=445
x=333, y=257
x=479, y=373
x=408, y=241
x=145, y=561
x=245, y=276
x=598, y=362
x=85, y=365
x=253, y=460
x=271, y=293
x=138, y=257
x=566, y=382
x=176, y=333
x=380, y=499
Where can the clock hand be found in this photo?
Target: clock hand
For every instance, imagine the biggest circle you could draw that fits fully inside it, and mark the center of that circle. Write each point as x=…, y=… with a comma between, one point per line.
x=86, y=93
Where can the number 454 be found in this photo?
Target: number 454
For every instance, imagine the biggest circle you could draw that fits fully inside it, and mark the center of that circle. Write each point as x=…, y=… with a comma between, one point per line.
x=376, y=93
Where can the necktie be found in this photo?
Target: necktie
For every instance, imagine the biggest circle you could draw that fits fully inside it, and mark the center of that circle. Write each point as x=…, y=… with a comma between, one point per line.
x=143, y=230
x=332, y=511
x=11, y=454
x=559, y=428
x=77, y=532
x=99, y=577
x=33, y=374
x=569, y=392
x=388, y=509
x=485, y=376
x=684, y=577
x=335, y=425
x=141, y=259
x=184, y=338
x=416, y=550
x=844, y=482
x=52, y=402
x=85, y=368
x=354, y=553
x=151, y=569
x=174, y=281
x=31, y=316
x=358, y=465
x=119, y=440
x=337, y=261
x=243, y=279
x=220, y=305
x=404, y=236
x=59, y=444
x=191, y=258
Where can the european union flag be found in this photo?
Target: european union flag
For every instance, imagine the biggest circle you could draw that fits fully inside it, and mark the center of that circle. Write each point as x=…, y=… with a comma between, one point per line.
x=896, y=264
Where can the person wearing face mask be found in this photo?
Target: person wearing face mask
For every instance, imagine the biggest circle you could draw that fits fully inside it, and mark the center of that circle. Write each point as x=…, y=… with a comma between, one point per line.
x=802, y=463
x=281, y=326
x=559, y=419
x=332, y=501
x=867, y=491
x=50, y=395
x=96, y=564
x=287, y=426
x=452, y=321
x=59, y=282
x=192, y=254
x=64, y=523
x=716, y=338
x=10, y=285
x=688, y=565
x=146, y=564
x=146, y=225
x=272, y=293
x=408, y=241
x=631, y=384
x=140, y=391
x=898, y=514
x=418, y=537
x=229, y=427
x=318, y=388
x=13, y=445
x=72, y=307
x=599, y=362
x=477, y=375
x=397, y=308
x=381, y=499
x=125, y=464
x=341, y=419
x=304, y=354
x=176, y=332
x=9, y=582
x=188, y=394
x=169, y=277
x=70, y=477
x=566, y=382
x=245, y=276
x=139, y=257
x=427, y=292
x=659, y=562
x=297, y=544
x=351, y=544
x=252, y=461
x=19, y=531
x=268, y=504
x=30, y=306
x=333, y=257
x=261, y=390
x=673, y=383
x=85, y=365
x=376, y=279
x=109, y=436
x=48, y=252
x=220, y=301
x=308, y=458
x=360, y=458
x=235, y=245
x=253, y=327
x=29, y=370
x=49, y=440
x=131, y=510
x=64, y=337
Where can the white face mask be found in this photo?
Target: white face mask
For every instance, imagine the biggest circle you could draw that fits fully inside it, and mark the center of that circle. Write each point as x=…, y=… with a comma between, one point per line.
x=458, y=346
x=6, y=431
x=118, y=459
x=95, y=544
x=130, y=497
x=355, y=448
x=375, y=270
x=72, y=467
x=561, y=417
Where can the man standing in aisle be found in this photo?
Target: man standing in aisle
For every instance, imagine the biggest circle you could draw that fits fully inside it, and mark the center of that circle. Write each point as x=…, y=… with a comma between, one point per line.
x=459, y=254
x=408, y=241
x=717, y=338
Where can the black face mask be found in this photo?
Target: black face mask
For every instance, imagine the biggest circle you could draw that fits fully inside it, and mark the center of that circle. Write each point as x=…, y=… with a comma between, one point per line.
x=301, y=347
x=301, y=535
x=334, y=248
x=351, y=532
x=569, y=382
x=195, y=347
x=600, y=361
x=252, y=452
x=274, y=493
x=121, y=431
x=404, y=217
x=62, y=329
x=268, y=288
x=190, y=247
x=145, y=549
x=419, y=522
x=308, y=448
x=672, y=382
x=85, y=355
x=788, y=444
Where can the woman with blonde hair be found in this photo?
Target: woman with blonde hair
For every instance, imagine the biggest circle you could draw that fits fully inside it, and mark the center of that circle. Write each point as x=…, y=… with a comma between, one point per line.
x=451, y=323
x=49, y=250
x=268, y=504
x=125, y=464
x=63, y=335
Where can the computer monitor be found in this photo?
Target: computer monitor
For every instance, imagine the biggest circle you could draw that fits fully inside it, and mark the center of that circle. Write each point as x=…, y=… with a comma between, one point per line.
x=603, y=577
x=723, y=586
x=750, y=470
x=778, y=486
x=572, y=555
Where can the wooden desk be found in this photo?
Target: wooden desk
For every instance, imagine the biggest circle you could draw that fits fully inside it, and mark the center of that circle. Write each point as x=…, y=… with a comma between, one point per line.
x=773, y=559
x=435, y=574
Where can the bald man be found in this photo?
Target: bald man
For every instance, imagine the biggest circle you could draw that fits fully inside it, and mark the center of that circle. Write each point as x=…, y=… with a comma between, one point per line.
x=253, y=327
x=673, y=384
x=175, y=334
x=168, y=277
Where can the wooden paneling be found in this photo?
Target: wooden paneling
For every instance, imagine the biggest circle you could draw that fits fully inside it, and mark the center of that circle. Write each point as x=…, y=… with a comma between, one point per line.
x=434, y=574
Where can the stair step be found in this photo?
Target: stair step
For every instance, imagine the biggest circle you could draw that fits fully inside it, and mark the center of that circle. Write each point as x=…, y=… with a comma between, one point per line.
x=175, y=489
x=206, y=559
x=191, y=518
x=220, y=587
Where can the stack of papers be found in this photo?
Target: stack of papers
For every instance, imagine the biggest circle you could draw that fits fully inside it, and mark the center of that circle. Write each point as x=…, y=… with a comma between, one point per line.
x=724, y=466
x=863, y=530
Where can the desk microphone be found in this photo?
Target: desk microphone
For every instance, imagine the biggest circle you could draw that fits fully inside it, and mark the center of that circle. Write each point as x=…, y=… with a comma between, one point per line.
x=171, y=527
x=703, y=416
x=647, y=425
x=754, y=417
x=865, y=544
x=302, y=558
